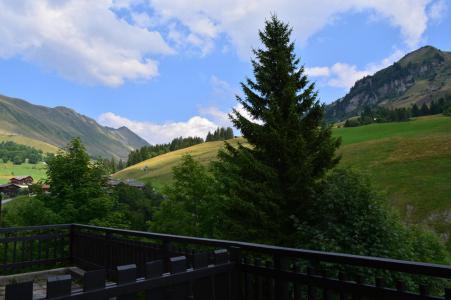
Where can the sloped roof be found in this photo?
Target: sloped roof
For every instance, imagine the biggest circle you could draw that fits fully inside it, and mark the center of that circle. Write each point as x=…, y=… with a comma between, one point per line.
x=21, y=177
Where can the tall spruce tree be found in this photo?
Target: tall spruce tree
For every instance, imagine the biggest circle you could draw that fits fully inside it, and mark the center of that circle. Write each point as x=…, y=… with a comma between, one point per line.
x=269, y=185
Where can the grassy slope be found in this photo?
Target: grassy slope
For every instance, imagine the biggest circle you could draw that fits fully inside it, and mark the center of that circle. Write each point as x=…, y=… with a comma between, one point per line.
x=23, y=140
x=158, y=170
x=8, y=170
x=410, y=162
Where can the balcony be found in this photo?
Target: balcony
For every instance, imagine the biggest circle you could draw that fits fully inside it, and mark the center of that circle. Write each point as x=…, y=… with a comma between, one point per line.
x=103, y=263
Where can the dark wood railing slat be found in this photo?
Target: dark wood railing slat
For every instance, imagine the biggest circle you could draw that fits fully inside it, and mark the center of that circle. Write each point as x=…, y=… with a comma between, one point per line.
x=22, y=291
x=126, y=274
x=58, y=286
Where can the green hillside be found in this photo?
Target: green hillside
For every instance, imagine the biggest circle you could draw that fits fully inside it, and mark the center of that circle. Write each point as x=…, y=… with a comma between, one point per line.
x=57, y=126
x=158, y=170
x=410, y=162
x=23, y=140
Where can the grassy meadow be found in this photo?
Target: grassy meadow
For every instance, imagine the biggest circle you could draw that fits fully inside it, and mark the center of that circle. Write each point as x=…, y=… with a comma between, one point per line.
x=409, y=162
x=8, y=170
x=37, y=171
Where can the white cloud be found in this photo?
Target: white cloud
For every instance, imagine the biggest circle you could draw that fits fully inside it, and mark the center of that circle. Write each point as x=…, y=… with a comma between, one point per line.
x=219, y=117
x=343, y=75
x=240, y=19
x=86, y=41
x=317, y=71
x=141, y=19
x=437, y=10
x=82, y=40
x=160, y=133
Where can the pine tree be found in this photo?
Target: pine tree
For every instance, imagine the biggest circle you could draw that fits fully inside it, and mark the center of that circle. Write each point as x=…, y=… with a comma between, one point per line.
x=270, y=185
x=113, y=165
x=415, y=110
x=424, y=110
x=120, y=165
x=229, y=133
x=209, y=137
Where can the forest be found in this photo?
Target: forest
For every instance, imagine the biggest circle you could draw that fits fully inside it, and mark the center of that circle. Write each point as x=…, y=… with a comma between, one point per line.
x=147, y=152
x=18, y=154
x=379, y=114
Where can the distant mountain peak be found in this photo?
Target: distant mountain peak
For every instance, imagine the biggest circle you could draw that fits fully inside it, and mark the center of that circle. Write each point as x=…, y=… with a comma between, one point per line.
x=419, y=77
x=56, y=126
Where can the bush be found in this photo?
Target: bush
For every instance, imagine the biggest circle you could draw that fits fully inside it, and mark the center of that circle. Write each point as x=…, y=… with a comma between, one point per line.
x=25, y=211
x=137, y=205
x=447, y=111
x=190, y=206
x=349, y=217
x=352, y=123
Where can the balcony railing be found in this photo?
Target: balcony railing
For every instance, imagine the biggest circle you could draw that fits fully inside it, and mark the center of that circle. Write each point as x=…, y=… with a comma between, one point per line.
x=126, y=264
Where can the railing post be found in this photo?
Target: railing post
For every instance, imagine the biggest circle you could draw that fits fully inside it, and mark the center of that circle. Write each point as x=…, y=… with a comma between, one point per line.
x=93, y=280
x=154, y=269
x=281, y=287
x=237, y=288
x=23, y=291
x=222, y=281
x=166, y=255
x=71, y=244
x=126, y=274
x=202, y=288
x=178, y=265
x=108, y=259
x=58, y=286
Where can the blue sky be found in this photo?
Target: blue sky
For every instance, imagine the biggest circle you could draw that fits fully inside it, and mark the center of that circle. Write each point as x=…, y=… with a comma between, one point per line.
x=166, y=68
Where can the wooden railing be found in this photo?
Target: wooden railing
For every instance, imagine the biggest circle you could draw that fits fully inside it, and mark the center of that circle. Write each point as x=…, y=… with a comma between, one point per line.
x=257, y=271
x=28, y=248
x=203, y=281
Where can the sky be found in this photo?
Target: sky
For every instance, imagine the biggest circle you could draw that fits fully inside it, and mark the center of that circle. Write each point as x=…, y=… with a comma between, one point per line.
x=169, y=68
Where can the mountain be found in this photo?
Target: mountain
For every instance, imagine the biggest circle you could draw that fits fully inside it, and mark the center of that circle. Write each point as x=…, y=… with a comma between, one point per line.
x=57, y=126
x=419, y=77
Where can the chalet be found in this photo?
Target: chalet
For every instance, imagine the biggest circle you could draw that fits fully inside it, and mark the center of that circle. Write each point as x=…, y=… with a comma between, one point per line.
x=21, y=180
x=10, y=189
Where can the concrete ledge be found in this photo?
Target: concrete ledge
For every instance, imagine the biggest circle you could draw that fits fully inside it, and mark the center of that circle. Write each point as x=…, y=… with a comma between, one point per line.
x=4, y=280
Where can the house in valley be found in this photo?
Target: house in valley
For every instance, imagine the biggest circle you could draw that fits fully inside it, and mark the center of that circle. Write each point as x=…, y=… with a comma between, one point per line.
x=21, y=180
x=9, y=190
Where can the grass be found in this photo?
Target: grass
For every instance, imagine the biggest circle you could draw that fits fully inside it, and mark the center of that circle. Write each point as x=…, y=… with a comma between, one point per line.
x=158, y=170
x=409, y=162
x=19, y=139
x=8, y=170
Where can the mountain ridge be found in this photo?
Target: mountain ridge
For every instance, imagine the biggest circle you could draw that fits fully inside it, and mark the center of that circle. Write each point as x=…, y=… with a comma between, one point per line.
x=421, y=76
x=56, y=126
